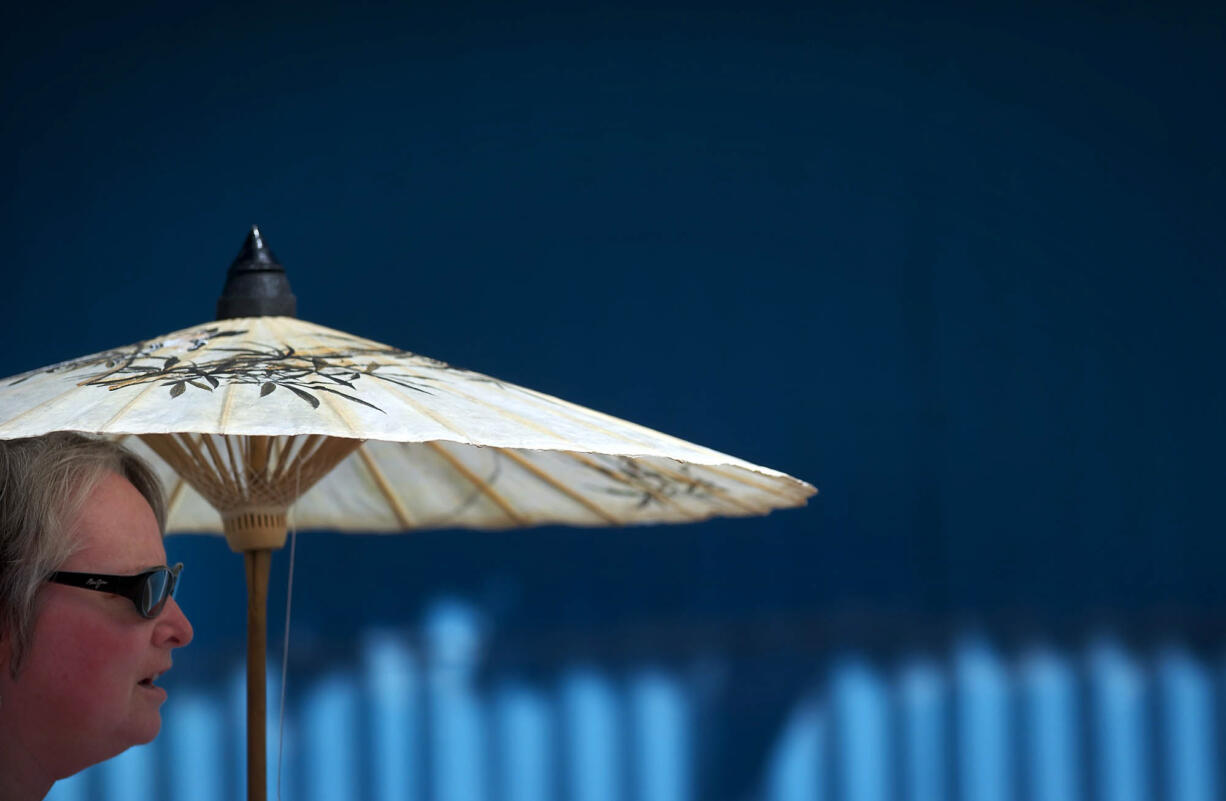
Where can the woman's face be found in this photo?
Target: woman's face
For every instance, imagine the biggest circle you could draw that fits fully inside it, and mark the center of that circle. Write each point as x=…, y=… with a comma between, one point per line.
x=86, y=690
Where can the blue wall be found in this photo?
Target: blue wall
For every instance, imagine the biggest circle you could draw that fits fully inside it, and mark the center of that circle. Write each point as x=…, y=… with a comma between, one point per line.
x=959, y=268
x=410, y=718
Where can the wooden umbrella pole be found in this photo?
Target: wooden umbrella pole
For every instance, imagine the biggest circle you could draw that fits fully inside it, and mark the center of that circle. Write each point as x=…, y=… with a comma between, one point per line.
x=257, y=535
x=258, y=563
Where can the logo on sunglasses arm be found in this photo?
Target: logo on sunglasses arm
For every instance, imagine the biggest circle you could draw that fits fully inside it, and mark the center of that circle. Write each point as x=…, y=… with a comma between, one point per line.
x=95, y=583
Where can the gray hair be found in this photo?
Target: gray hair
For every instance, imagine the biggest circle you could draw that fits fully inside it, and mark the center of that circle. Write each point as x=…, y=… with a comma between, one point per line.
x=43, y=483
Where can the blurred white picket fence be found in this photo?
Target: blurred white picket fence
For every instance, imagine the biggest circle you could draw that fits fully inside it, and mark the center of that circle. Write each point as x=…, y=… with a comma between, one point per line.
x=1104, y=724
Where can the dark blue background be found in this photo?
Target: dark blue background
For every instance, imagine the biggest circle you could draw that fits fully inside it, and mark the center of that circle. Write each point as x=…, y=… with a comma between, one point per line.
x=961, y=269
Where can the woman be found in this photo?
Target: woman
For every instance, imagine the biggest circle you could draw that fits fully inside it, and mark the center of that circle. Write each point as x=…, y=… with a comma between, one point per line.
x=87, y=621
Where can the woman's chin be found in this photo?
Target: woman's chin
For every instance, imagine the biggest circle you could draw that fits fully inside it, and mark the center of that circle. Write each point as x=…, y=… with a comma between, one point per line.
x=142, y=731
x=151, y=731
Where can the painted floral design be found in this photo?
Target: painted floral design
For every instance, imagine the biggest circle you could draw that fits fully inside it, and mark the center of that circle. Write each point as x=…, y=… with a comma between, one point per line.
x=336, y=369
x=638, y=480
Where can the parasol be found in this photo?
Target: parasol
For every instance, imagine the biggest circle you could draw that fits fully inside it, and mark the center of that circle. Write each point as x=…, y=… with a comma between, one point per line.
x=247, y=415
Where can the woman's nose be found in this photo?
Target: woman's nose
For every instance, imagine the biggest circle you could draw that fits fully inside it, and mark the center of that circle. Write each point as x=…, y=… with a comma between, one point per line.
x=173, y=629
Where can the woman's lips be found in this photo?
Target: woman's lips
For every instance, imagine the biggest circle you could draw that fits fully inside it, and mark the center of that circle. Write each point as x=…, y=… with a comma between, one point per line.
x=148, y=681
x=149, y=686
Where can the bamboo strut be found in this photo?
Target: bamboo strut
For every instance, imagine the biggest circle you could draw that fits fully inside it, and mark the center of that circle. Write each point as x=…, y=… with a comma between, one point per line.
x=258, y=465
x=749, y=481
x=285, y=459
x=192, y=448
x=476, y=481
x=402, y=514
x=558, y=485
x=230, y=453
x=224, y=472
x=717, y=491
x=276, y=453
x=172, y=451
x=245, y=450
x=328, y=455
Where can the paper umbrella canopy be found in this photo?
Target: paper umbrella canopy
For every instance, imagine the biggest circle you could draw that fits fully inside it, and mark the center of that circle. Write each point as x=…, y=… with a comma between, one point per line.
x=244, y=415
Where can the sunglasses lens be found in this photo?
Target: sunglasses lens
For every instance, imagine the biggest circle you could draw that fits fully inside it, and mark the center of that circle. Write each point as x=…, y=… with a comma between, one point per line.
x=155, y=592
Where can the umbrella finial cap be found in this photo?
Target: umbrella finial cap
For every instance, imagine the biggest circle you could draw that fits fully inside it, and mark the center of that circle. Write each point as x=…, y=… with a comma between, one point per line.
x=256, y=284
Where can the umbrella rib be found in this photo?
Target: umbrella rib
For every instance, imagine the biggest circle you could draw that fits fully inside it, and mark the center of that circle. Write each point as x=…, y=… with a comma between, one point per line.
x=355, y=431
x=165, y=446
x=489, y=491
x=544, y=476
x=173, y=453
x=257, y=464
x=397, y=392
x=404, y=396
x=718, y=492
x=549, y=402
x=507, y=413
x=227, y=400
x=306, y=449
x=228, y=440
x=308, y=465
x=749, y=482
x=331, y=452
x=244, y=450
x=124, y=409
x=175, y=495
x=402, y=514
x=525, y=421
x=273, y=450
x=228, y=480
x=41, y=408
x=192, y=447
x=283, y=457
x=342, y=413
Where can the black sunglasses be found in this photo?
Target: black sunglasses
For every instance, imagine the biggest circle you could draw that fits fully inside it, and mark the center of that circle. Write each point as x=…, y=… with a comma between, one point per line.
x=149, y=591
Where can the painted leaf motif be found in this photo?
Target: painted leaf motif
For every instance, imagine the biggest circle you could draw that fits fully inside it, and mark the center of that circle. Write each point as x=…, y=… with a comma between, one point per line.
x=346, y=397
x=177, y=389
x=267, y=388
x=306, y=396
x=337, y=379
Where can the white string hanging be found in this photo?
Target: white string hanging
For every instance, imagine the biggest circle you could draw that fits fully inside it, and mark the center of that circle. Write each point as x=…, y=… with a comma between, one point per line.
x=289, y=603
